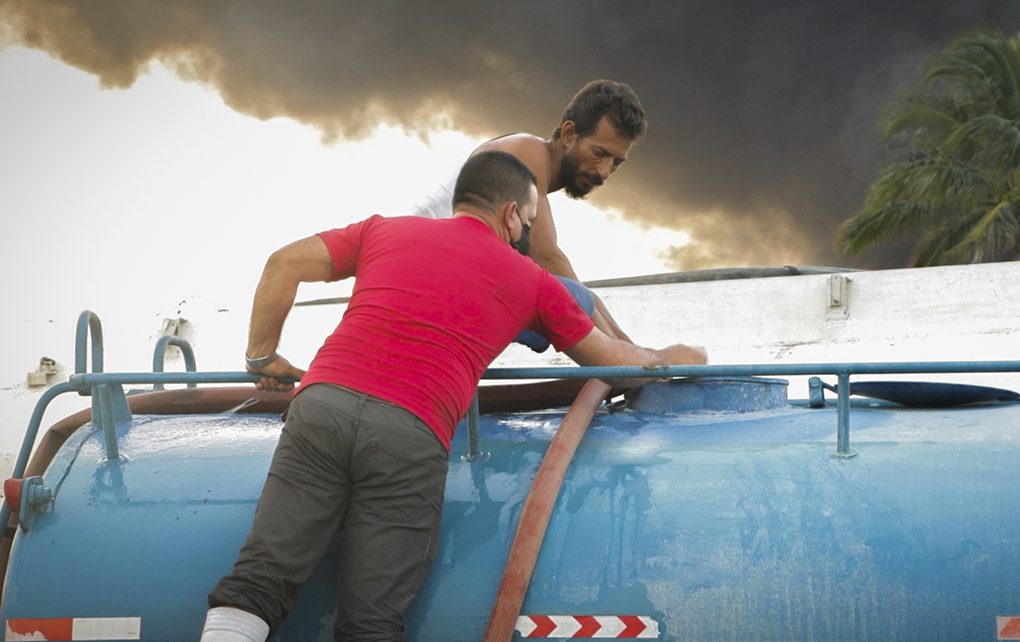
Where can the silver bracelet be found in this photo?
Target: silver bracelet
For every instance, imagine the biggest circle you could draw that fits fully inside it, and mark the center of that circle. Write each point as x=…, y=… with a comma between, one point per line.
x=261, y=362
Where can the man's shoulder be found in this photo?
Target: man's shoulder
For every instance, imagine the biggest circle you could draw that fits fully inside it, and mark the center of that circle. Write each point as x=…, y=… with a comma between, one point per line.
x=528, y=148
x=377, y=224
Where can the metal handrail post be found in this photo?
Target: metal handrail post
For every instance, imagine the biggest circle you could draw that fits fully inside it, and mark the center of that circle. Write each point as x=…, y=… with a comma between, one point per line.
x=843, y=417
x=111, y=408
x=474, y=452
x=159, y=357
x=89, y=326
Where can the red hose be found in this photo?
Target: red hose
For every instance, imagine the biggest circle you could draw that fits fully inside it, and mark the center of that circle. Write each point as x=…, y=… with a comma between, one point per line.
x=538, y=509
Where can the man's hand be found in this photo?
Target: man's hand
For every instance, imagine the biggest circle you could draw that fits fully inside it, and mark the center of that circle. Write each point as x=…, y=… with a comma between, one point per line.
x=683, y=355
x=280, y=368
x=599, y=349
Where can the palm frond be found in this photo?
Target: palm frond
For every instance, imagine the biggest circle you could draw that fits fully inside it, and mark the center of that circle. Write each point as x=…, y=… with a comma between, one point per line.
x=994, y=235
x=983, y=65
x=920, y=115
x=934, y=249
x=988, y=141
x=930, y=181
x=870, y=226
x=1003, y=70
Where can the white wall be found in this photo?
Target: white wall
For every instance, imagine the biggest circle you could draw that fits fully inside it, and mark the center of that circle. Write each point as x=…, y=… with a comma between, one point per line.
x=967, y=312
x=932, y=314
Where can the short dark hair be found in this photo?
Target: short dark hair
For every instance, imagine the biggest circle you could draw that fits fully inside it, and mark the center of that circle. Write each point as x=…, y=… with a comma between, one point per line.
x=609, y=98
x=489, y=179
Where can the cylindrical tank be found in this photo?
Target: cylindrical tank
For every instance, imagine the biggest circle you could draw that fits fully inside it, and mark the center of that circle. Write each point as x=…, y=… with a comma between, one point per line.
x=706, y=522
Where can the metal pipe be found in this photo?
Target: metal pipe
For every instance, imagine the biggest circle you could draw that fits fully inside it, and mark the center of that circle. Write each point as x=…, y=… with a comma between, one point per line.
x=693, y=276
x=85, y=380
x=897, y=367
x=715, y=274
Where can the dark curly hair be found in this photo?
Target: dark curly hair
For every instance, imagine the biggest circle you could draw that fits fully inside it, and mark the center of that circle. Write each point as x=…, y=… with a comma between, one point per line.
x=609, y=98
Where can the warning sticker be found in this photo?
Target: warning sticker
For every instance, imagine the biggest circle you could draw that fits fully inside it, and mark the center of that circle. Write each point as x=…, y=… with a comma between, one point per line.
x=587, y=626
x=74, y=629
x=1008, y=627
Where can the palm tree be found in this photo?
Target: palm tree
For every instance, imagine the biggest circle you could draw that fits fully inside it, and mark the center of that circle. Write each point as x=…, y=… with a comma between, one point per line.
x=958, y=184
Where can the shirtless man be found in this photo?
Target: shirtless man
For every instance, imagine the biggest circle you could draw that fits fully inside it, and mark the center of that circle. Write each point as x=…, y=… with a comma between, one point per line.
x=597, y=130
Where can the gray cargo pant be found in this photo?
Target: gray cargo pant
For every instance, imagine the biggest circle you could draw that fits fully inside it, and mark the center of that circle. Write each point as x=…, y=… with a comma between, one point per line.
x=351, y=461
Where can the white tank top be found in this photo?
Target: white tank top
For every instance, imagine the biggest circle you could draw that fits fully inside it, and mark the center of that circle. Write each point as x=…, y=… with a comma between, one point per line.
x=438, y=204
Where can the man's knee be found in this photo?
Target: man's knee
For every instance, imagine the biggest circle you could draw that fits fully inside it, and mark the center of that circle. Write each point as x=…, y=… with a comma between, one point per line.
x=585, y=299
x=581, y=294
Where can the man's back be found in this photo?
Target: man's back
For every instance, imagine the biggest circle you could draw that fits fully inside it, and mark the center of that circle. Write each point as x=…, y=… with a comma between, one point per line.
x=435, y=301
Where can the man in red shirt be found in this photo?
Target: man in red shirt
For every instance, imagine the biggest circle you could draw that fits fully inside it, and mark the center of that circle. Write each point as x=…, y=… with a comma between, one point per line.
x=367, y=436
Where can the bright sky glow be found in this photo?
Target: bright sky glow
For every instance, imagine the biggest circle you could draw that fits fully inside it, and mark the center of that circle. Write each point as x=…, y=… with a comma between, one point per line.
x=164, y=186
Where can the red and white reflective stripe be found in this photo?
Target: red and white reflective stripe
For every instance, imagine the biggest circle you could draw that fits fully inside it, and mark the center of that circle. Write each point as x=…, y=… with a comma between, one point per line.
x=587, y=626
x=1008, y=627
x=73, y=628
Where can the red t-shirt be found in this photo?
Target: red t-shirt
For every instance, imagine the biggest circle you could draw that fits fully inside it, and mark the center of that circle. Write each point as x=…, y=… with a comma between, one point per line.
x=434, y=302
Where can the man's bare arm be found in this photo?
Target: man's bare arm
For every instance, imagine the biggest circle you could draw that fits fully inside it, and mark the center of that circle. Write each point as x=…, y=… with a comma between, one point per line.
x=605, y=321
x=306, y=260
x=599, y=349
x=545, y=249
x=546, y=252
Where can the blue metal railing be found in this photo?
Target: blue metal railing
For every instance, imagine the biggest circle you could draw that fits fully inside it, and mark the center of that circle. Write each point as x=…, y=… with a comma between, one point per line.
x=110, y=408
x=90, y=380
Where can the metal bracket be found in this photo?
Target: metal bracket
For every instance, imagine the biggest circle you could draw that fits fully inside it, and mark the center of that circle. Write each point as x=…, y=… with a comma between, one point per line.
x=816, y=393
x=838, y=291
x=110, y=410
x=35, y=496
x=838, y=297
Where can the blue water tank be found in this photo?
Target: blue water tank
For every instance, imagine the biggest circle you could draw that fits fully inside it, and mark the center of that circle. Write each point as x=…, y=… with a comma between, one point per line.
x=711, y=524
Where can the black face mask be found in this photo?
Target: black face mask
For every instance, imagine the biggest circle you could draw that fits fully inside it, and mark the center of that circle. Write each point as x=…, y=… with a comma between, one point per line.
x=523, y=244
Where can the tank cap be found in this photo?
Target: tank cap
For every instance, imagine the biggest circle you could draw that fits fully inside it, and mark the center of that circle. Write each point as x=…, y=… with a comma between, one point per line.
x=694, y=395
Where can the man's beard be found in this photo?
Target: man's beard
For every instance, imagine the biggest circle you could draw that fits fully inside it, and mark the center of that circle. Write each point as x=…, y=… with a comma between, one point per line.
x=569, y=175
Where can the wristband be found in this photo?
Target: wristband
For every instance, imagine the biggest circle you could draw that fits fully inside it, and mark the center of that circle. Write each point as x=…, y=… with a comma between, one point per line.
x=261, y=362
